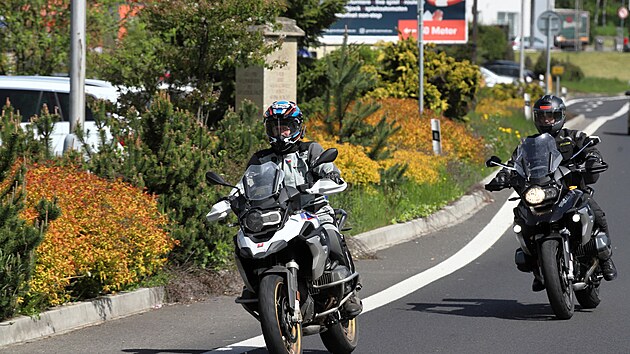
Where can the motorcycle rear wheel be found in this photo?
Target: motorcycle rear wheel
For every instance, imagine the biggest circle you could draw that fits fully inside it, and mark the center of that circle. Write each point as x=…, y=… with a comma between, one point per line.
x=342, y=337
x=559, y=288
x=282, y=336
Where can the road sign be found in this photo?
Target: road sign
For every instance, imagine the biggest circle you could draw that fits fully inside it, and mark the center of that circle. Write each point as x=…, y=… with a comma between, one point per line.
x=622, y=13
x=543, y=22
x=557, y=70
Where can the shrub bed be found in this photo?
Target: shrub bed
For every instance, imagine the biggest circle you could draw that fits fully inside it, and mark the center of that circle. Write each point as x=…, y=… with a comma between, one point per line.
x=107, y=237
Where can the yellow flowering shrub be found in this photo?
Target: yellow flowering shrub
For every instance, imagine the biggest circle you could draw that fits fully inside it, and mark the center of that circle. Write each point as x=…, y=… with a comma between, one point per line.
x=422, y=167
x=109, y=233
x=501, y=108
x=356, y=167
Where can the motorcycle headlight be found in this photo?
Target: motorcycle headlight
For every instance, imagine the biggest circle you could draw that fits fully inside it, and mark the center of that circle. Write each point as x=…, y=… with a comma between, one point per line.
x=536, y=195
x=256, y=220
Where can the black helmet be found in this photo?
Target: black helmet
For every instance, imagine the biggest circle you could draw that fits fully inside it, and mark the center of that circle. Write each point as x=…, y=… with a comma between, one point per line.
x=283, y=125
x=549, y=114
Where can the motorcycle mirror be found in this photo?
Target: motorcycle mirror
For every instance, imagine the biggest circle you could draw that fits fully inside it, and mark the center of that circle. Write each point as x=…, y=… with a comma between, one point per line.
x=493, y=161
x=590, y=141
x=598, y=168
x=329, y=155
x=594, y=140
x=214, y=179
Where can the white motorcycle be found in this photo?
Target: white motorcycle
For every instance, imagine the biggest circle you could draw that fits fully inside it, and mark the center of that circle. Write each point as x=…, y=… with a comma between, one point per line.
x=283, y=256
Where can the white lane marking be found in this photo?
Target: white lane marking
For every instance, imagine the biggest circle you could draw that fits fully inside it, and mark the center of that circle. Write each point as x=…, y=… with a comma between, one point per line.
x=475, y=248
x=589, y=99
x=592, y=128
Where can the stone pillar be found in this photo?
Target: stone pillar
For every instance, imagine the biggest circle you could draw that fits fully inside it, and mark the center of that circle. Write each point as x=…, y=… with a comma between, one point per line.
x=263, y=86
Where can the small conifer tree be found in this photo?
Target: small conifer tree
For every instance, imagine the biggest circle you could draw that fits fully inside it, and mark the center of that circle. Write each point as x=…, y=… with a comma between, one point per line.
x=17, y=239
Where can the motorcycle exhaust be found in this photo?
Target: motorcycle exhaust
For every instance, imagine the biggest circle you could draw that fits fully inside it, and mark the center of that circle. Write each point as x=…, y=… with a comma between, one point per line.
x=587, y=276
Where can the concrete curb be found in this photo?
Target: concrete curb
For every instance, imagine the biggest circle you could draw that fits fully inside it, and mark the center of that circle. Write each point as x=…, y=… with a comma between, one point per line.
x=74, y=316
x=369, y=242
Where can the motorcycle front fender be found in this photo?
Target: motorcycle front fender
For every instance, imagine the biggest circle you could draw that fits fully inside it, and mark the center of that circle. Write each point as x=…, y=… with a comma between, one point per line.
x=290, y=280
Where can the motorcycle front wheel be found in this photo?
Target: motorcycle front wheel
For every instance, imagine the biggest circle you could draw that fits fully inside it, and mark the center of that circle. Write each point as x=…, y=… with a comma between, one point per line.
x=282, y=335
x=342, y=337
x=559, y=287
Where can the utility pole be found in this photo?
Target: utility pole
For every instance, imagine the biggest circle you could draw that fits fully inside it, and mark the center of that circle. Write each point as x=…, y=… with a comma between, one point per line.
x=420, y=58
x=77, y=72
x=474, y=32
x=577, y=25
x=521, y=66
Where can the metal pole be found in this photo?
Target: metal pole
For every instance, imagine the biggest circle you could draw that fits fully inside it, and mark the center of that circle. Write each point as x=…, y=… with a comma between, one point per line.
x=77, y=72
x=558, y=85
x=521, y=66
x=628, y=94
x=577, y=23
x=548, y=77
x=420, y=58
x=474, y=33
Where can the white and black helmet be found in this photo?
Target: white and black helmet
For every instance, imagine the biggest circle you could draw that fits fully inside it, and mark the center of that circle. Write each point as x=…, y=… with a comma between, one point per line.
x=283, y=125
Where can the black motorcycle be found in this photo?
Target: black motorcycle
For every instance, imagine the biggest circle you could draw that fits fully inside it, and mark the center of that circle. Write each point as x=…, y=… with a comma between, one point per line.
x=294, y=287
x=554, y=223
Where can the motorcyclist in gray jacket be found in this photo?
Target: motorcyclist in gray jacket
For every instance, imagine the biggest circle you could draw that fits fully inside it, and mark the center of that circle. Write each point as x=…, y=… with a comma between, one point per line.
x=284, y=127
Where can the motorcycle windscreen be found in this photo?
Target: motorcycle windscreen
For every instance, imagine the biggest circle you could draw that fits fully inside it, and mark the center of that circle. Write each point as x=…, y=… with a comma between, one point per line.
x=537, y=156
x=262, y=181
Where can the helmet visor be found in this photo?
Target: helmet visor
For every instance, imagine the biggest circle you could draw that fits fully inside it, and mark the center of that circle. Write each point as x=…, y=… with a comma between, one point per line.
x=547, y=118
x=282, y=128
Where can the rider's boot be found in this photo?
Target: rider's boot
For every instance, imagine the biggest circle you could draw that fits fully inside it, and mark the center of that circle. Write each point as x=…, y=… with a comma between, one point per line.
x=538, y=284
x=608, y=269
x=353, y=306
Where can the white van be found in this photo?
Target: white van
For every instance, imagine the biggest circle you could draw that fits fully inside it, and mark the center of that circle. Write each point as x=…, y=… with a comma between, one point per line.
x=27, y=94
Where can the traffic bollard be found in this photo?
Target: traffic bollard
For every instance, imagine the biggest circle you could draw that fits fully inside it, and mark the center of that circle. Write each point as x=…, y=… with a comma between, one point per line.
x=527, y=109
x=628, y=94
x=437, y=143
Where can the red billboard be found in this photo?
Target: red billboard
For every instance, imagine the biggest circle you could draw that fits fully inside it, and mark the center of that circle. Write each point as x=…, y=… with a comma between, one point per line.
x=370, y=21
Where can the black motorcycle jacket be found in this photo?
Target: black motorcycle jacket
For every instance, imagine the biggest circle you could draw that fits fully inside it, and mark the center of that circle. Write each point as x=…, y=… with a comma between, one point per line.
x=569, y=142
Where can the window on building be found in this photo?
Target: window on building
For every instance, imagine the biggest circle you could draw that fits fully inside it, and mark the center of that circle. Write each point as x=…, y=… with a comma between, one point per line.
x=509, y=19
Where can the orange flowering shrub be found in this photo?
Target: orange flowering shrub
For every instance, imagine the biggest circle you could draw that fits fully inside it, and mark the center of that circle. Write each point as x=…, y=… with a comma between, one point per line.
x=411, y=145
x=457, y=140
x=108, y=235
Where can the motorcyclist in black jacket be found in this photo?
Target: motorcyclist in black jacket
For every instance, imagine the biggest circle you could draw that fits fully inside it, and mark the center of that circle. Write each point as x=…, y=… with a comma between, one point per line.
x=283, y=122
x=549, y=117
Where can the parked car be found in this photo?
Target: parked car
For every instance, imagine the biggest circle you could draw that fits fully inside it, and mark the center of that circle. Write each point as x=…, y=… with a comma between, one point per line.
x=28, y=94
x=492, y=78
x=509, y=68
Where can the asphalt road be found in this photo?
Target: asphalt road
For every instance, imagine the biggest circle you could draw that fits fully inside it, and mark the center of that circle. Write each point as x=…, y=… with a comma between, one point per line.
x=484, y=307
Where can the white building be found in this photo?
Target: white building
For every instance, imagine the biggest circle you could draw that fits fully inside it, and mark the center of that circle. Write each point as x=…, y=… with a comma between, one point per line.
x=508, y=12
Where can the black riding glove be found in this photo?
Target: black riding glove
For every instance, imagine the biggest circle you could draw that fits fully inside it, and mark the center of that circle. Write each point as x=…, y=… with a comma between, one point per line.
x=500, y=181
x=334, y=176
